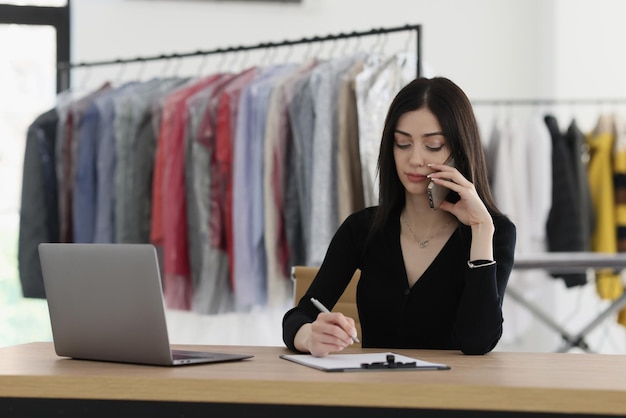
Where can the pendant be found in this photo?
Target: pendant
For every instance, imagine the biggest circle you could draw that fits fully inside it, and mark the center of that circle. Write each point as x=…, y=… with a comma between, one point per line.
x=424, y=244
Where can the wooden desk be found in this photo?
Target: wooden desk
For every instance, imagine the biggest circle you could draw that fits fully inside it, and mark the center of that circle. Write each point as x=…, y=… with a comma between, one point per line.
x=35, y=382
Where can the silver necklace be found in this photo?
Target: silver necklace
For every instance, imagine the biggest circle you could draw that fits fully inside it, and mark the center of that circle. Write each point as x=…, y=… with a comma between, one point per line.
x=423, y=243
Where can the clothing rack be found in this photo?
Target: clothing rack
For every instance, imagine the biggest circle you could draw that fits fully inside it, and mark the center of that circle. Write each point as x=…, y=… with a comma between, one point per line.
x=66, y=67
x=541, y=102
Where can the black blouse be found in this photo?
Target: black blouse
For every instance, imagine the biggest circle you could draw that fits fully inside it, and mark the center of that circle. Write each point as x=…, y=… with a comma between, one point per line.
x=451, y=306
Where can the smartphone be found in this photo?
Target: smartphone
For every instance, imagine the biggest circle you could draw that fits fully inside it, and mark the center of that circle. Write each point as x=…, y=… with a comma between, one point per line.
x=436, y=192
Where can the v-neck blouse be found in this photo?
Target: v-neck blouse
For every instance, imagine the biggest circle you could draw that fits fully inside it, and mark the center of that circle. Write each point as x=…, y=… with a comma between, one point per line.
x=451, y=306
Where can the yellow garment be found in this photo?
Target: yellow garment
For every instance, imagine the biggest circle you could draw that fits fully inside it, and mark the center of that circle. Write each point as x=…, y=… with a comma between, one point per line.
x=600, y=173
x=604, y=235
x=619, y=174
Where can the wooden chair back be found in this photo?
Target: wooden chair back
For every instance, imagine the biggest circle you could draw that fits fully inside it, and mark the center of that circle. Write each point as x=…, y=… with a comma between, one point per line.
x=303, y=277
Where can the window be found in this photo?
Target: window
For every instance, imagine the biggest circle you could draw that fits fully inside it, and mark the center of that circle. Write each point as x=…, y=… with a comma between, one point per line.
x=29, y=80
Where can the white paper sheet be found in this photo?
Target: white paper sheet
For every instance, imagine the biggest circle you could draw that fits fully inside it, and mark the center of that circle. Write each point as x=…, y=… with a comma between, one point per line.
x=353, y=362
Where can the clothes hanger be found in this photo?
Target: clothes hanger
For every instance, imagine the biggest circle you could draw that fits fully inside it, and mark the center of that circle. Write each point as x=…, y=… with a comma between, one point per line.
x=141, y=68
x=383, y=44
x=220, y=64
x=332, y=49
x=118, y=79
x=605, y=123
x=288, y=53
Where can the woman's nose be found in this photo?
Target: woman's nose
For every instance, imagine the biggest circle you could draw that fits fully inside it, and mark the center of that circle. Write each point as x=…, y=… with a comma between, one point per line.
x=416, y=160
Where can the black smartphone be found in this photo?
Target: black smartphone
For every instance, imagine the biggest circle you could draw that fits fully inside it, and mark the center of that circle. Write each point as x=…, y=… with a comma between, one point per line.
x=436, y=192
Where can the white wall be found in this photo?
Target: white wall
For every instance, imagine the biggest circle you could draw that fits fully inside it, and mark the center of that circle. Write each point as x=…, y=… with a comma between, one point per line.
x=491, y=48
x=482, y=44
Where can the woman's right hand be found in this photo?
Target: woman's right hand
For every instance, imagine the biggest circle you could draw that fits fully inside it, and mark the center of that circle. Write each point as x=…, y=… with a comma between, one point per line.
x=330, y=332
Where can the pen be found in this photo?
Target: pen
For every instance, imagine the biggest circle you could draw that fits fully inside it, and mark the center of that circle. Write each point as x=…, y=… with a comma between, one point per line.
x=324, y=309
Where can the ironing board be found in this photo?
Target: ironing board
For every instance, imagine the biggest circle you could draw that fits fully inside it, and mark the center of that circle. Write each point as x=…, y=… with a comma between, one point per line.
x=570, y=262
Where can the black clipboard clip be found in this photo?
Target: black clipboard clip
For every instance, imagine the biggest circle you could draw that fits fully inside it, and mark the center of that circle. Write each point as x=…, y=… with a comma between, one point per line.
x=391, y=363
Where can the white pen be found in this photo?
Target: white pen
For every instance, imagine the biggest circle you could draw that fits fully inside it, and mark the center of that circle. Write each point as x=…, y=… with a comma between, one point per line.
x=324, y=309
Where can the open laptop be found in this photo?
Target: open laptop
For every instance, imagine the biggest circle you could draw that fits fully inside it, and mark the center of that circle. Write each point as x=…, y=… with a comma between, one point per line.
x=106, y=303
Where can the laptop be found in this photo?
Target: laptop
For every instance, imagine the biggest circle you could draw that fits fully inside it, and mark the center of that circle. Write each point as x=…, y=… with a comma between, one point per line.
x=106, y=303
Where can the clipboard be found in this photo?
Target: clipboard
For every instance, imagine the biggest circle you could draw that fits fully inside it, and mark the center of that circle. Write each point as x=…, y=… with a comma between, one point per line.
x=386, y=361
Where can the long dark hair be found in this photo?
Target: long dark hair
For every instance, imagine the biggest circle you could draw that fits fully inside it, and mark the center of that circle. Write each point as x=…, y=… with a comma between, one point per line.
x=455, y=115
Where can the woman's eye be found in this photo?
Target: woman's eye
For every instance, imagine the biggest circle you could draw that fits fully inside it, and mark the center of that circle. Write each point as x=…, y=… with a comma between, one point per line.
x=435, y=148
x=403, y=146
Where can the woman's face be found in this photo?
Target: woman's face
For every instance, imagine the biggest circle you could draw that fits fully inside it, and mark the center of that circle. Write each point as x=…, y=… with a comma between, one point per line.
x=418, y=141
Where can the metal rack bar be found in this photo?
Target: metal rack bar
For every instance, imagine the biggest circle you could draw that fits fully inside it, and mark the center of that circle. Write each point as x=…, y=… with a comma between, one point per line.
x=553, y=101
x=263, y=45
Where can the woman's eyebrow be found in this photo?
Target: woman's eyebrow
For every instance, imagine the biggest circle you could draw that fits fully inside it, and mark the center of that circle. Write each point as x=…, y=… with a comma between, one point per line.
x=433, y=134
x=398, y=131
x=426, y=135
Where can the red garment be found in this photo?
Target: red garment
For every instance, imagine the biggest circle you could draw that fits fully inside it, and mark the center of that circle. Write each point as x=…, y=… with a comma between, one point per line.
x=207, y=136
x=173, y=217
x=281, y=146
x=222, y=162
x=208, y=123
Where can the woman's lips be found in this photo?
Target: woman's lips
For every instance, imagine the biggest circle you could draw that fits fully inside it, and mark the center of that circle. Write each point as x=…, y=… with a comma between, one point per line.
x=415, y=178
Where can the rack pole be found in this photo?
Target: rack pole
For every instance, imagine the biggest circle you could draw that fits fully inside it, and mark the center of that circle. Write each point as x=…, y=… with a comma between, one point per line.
x=553, y=101
x=264, y=45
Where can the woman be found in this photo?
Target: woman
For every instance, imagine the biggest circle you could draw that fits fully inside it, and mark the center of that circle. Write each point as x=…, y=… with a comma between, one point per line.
x=430, y=278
